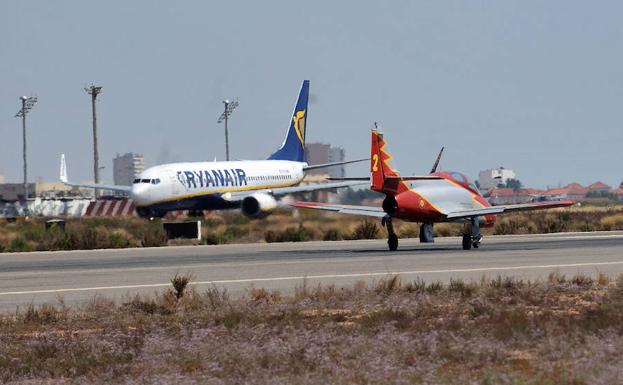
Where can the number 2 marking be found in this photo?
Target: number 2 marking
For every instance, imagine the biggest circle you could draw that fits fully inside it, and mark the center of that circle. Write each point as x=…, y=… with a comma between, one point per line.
x=375, y=163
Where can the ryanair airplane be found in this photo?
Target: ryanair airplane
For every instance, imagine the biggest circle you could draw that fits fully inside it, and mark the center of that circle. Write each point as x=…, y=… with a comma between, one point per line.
x=253, y=185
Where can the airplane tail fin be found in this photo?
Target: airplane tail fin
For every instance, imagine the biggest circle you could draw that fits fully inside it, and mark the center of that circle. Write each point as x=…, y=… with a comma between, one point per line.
x=293, y=147
x=63, y=173
x=384, y=178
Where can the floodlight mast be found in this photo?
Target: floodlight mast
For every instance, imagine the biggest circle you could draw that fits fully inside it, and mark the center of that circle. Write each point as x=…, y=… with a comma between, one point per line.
x=230, y=106
x=94, y=91
x=28, y=102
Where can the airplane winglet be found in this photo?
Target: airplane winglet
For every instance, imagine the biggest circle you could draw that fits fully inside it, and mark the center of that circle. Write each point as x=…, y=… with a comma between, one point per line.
x=63, y=174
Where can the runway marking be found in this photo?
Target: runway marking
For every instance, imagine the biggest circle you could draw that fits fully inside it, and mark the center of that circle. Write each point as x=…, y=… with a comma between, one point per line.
x=302, y=277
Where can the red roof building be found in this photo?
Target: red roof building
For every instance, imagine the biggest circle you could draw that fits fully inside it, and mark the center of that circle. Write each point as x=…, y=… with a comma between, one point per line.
x=599, y=187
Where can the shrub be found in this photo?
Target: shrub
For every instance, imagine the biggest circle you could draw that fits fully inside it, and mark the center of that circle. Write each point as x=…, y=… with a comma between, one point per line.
x=290, y=234
x=409, y=231
x=332, y=235
x=612, y=222
x=214, y=239
x=235, y=232
x=180, y=282
x=18, y=245
x=458, y=286
x=388, y=286
x=365, y=230
x=448, y=229
x=154, y=235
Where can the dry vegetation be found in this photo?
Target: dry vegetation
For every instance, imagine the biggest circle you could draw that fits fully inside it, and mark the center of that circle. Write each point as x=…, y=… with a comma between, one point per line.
x=283, y=226
x=80, y=233
x=500, y=331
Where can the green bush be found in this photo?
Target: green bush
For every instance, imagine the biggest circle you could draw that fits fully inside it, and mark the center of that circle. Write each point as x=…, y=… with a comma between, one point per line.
x=18, y=245
x=332, y=235
x=291, y=234
x=366, y=230
x=235, y=232
x=153, y=235
x=214, y=239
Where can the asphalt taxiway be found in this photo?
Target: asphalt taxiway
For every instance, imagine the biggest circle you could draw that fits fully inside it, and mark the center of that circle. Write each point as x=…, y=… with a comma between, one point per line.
x=78, y=276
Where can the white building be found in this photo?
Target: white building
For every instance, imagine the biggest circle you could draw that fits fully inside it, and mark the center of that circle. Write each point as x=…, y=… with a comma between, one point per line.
x=491, y=178
x=127, y=167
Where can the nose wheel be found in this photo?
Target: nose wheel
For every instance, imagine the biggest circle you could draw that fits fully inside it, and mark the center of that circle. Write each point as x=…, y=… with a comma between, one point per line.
x=392, y=238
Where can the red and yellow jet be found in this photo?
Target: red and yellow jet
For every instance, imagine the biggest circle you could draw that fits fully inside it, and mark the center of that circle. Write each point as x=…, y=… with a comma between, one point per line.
x=437, y=197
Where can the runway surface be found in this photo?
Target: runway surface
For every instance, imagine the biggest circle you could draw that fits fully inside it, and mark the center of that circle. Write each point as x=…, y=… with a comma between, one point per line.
x=78, y=276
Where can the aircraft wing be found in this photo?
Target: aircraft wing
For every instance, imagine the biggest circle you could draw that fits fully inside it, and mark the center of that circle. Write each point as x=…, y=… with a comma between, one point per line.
x=280, y=191
x=327, y=165
x=393, y=178
x=369, y=211
x=63, y=178
x=507, y=208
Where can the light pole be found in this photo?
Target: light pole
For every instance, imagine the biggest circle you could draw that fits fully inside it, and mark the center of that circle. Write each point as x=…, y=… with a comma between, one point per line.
x=94, y=91
x=229, y=108
x=28, y=102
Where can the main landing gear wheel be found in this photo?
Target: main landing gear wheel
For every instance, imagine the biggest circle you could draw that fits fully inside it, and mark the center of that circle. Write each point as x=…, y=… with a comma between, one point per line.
x=476, y=242
x=392, y=242
x=472, y=235
x=392, y=238
x=467, y=241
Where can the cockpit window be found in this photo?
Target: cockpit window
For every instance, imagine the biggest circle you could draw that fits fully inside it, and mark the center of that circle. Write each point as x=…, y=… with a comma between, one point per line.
x=145, y=180
x=137, y=180
x=473, y=186
x=458, y=177
x=155, y=181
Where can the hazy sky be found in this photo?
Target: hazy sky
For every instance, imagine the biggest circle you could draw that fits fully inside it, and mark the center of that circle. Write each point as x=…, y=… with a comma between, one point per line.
x=536, y=86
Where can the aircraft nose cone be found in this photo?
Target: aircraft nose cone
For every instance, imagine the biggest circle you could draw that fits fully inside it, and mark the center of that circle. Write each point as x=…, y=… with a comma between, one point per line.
x=139, y=194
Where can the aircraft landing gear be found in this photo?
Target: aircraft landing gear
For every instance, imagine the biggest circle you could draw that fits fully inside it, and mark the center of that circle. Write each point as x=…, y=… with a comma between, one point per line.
x=426, y=233
x=467, y=241
x=392, y=239
x=472, y=235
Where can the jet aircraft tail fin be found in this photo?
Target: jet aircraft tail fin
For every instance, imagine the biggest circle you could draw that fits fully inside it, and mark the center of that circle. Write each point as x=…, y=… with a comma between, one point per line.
x=293, y=147
x=384, y=178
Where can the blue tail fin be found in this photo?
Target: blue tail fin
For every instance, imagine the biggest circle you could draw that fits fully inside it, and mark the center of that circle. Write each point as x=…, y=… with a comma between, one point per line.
x=293, y=148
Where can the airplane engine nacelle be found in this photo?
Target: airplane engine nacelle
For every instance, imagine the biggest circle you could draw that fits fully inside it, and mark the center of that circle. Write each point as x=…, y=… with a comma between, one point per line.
x=390, y=205
x=258, y=205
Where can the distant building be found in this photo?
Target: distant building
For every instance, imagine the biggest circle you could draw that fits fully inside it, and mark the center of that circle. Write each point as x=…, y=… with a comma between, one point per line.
x=1, y=179
x=337, y=154
x=319, y=153
x=573, y=191
x=491, y=178
x=599, y=187
x=127, y=167
x=39, y=189
x=505, y=196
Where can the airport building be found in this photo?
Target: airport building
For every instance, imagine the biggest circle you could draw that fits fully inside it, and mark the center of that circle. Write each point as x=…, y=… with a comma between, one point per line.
x=127, y=167
x=15, y=191
x=495, y=177
x=318, y=153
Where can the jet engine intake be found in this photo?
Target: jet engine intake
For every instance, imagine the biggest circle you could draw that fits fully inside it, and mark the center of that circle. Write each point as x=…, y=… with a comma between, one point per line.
x=258, y=205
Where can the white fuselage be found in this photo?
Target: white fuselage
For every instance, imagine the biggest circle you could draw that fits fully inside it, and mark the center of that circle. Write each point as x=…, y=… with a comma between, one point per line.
x=176, y=182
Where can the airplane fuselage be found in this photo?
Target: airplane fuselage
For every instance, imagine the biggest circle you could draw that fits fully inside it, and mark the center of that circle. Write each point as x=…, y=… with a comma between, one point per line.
x=428, y=201
x=208, y=185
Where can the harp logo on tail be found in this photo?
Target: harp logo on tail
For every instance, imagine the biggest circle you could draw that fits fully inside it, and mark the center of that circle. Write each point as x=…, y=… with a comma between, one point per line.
x=299, y=125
